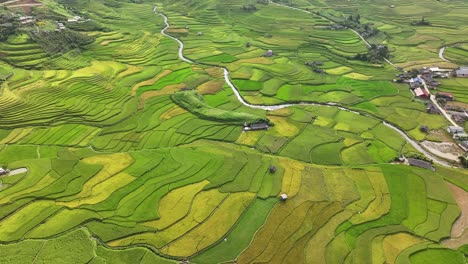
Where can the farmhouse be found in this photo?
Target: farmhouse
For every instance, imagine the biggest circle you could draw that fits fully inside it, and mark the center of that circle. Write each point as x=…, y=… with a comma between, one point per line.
x=74, y=19
x=455, y=130
x=269, y=53
x=420, y=164
x=462, y=72
x=432, y=109
x=283, y=197
x=429, y=80
x=4, y=171
x=446, y=96
x=415, y=83
x=460, y=136
x=61, y=26
x=255, y=126
x=422, y=93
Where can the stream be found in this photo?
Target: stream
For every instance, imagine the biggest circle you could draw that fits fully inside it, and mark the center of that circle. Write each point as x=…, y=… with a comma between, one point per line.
x=280, y=106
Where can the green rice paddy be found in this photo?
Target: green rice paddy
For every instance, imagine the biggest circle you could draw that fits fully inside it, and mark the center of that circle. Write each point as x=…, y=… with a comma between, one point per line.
x=135, y=156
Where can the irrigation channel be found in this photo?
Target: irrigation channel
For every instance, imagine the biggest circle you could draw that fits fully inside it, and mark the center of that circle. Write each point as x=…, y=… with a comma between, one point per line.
x=280, y=106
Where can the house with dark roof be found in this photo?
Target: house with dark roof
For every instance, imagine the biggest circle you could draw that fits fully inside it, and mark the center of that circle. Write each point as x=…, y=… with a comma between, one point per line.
x=459, y=118
x=430, y=80
x=421, y=93
x=255, y=126
x=464, y=145
x=446, y=96
x=455, y=130
x=432, y=109
x=4, y=171
x=421, y=164
x=462, y=72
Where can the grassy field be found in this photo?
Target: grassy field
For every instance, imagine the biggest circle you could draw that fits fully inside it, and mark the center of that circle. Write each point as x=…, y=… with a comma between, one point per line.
x=133, y=155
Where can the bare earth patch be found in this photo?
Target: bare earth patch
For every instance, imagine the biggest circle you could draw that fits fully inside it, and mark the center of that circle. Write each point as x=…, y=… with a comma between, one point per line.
x=458, y=104
x=446, y=150
x=210, y=87
x=459, y=234
x=439, y=135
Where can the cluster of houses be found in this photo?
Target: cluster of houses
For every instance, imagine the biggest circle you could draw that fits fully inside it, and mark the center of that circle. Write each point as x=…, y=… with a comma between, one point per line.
x=60, y=26
x=428, y=76
x=24, y=20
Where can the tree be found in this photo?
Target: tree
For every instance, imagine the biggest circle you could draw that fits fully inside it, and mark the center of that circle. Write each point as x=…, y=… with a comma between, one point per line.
x=463, y=161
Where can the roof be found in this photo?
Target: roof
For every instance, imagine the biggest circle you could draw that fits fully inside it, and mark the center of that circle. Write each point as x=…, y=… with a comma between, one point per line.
x=420, y=92
x=455, y=129
x=444, y=94
x=462, y=71
x=284, y=196
x=420, y=163
x=259, y=126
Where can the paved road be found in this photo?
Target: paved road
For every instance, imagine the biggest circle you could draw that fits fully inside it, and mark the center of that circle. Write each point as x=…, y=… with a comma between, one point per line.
x=441, y=54
x=434, y=101
x=280, y=106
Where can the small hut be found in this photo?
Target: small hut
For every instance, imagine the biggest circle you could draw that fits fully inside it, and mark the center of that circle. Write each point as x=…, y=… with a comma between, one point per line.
x=199, y=33
x=269, y=53
x=283, y=197
x=4, y=171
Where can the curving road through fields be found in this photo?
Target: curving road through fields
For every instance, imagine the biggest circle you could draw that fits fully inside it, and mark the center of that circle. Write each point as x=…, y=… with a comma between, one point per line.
x=228, y=81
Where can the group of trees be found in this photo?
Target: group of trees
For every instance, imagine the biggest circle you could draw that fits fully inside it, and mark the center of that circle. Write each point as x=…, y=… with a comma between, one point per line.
x=58, y=42
x=354, y=22
x=249, y=7
x=375, y=54
x=8, y=25
x=422, y=22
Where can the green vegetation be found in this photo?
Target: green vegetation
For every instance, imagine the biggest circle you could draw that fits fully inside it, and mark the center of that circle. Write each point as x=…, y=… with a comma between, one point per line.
x=193, y=102
x=129, y=154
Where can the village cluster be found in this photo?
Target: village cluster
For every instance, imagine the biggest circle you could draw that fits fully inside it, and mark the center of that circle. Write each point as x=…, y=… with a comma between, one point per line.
x=31, y=20
x=422, y=81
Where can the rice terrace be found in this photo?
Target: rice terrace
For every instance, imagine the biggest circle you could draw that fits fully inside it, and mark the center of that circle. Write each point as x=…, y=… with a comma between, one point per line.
x=234, y=131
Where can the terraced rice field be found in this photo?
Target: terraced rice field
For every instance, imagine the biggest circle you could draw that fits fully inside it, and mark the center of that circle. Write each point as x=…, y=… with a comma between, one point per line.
x=133, y=155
